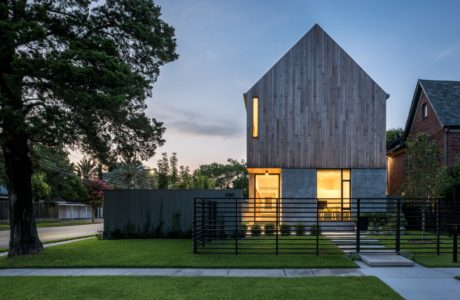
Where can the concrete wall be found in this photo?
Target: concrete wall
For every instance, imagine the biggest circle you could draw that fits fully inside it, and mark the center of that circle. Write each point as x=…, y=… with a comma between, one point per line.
x=369, y=183
x=140, y=211
x=298, y=183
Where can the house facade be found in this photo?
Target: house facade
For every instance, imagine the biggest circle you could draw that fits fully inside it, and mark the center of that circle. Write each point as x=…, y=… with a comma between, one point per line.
x=435, y=111
x=315, y=130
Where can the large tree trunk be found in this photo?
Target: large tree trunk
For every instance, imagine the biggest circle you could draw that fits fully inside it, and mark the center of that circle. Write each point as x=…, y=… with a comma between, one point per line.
x=23, y=230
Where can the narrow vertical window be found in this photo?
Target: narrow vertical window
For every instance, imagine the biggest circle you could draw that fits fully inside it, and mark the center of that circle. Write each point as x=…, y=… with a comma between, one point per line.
x=424, y=110
x=255, y=117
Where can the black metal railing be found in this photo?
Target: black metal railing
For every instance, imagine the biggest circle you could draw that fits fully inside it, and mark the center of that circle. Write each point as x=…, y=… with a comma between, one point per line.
x=324, y=226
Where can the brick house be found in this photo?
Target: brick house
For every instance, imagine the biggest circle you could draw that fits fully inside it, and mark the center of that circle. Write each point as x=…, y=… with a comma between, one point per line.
x=435, y=110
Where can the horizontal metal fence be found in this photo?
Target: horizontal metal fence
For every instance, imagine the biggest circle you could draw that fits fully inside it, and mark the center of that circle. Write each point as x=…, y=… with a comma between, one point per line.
x=324, y=226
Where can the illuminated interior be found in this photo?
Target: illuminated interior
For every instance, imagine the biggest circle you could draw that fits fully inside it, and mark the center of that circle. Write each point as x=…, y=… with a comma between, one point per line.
x=266, y=194
x=333, y=193
x=264, y=190
x=255, y=117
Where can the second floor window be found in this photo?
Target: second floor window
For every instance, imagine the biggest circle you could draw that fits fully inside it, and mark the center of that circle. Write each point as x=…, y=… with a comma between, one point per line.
x=424, y=110
x=255, y=117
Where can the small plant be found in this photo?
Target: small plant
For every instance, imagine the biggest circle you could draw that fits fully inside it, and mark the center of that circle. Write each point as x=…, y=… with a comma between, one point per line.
x=354, y=256
x=256, y=230
x=300, y=229
x=408, y=255
x=315, y=230
x=285, y=230
x=242, y=230
x=100, y=235
x=270, y=229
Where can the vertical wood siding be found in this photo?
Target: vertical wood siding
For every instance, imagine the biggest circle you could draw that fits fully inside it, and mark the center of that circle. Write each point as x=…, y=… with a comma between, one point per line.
x=317, y=109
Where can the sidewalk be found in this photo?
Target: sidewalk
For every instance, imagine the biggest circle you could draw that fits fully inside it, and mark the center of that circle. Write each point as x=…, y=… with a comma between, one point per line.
x=419, y=282
x=415, y=282
x=178, y=272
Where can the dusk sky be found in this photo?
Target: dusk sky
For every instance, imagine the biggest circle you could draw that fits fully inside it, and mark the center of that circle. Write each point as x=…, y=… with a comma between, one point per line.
x=224, y=47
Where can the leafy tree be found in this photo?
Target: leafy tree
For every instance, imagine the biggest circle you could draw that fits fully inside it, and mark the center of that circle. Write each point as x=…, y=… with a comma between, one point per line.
x=203, y=182
x=75, y=73
x=87, y=169
x=95, y=189
x=129, y=174
x=185, y=178
x=393, y=135
x=426, y=178
x=452, y=189
x=163, y=171
x=231, y=175
x=40, y=188
x=173, y=169
x=59, y=171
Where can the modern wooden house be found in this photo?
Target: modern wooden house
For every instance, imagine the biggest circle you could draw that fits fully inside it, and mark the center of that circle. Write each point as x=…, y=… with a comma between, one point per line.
x=435, y=110
x=315, y=129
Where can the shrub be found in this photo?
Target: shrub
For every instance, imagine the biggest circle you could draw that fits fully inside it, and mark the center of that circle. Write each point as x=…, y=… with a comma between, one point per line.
x=242, y=230
x=256, y=230
x=285, y=230
x=300, y=229
x=269, y=229
x=315, y=230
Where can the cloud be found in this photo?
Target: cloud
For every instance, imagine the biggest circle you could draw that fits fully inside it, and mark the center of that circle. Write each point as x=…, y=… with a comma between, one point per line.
x=197, y=128
x=192, y=123
x=452, y=50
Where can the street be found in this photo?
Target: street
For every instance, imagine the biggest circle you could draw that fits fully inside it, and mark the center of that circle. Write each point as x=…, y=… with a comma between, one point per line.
x=56, y=233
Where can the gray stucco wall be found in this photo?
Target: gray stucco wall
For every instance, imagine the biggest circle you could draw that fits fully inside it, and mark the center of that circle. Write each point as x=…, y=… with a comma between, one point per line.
x=140, y=210
x=369, y=183
x=298, y=183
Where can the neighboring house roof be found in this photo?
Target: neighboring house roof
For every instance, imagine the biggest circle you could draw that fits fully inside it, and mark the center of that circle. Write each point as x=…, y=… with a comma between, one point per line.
x=444, y=97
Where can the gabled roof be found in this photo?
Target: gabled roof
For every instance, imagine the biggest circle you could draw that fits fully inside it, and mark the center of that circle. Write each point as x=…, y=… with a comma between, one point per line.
x=310, y=35
x=444, y=97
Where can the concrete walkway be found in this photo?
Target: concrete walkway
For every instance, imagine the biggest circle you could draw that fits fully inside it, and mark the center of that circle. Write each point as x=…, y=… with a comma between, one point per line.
x=283, y=273
x=48, y=234
x=5, y=253
x=418, y=282
x=415, y=282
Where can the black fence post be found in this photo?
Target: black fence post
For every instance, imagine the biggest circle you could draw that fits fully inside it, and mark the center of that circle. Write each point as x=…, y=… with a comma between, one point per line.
x=194, y=227
x=438, y=235
x=203, y=226
x=236, y=225
x=277, y=226
x=454, y=246
x=317, y=227
x=358, y=225
x=398, y=226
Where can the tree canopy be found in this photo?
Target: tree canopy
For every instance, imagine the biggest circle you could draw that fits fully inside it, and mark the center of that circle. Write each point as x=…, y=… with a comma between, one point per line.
x=76, y=73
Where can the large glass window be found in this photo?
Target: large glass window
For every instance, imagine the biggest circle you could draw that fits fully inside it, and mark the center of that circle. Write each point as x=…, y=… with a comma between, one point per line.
x=266, y=194
x=333, y=193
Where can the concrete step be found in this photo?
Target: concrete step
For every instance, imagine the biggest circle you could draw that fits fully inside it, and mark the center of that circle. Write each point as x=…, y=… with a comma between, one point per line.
x=386, y=260
x=370, y=251
x=364, y=247
x=353, y=241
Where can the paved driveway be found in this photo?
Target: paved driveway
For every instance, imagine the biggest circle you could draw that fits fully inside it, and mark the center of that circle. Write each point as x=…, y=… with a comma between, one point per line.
x=47, y=234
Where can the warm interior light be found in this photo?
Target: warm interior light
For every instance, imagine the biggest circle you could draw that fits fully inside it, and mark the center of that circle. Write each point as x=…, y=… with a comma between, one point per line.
x=255, y=117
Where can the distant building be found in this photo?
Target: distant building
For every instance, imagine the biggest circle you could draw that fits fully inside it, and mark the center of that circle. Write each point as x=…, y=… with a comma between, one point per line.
x=435, y=111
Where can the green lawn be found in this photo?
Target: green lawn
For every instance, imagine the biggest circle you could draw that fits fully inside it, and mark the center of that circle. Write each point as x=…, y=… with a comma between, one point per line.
x=435, y=261
x=194, y=288
x=423, y=249
x=163, y=253
x=53, y=223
